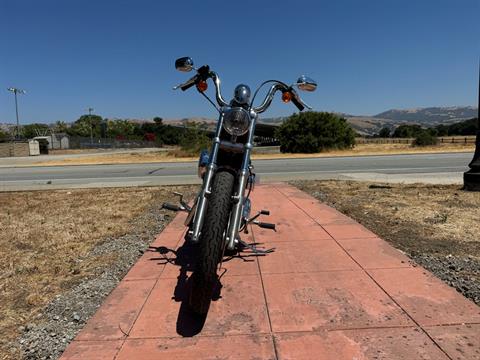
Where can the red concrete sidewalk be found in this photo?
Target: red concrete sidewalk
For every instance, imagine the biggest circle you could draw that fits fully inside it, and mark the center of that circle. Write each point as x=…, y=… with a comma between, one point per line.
x=332, y=290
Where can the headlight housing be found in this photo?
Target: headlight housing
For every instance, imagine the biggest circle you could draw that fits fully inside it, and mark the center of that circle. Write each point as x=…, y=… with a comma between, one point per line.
x=236, y=121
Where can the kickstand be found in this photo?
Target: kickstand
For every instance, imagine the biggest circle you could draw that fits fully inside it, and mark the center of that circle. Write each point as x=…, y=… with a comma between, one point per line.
x=253, y=248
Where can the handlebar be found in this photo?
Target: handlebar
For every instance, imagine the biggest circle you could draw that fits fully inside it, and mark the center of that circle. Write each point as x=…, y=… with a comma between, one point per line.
x=279, y=86
x=204, y=73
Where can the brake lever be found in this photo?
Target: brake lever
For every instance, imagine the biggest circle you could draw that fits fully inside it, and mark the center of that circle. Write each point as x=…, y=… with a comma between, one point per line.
x=188, y=82
x=297, y=97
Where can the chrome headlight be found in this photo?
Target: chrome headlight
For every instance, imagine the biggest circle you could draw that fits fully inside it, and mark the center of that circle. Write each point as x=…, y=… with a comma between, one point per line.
x=236, y=121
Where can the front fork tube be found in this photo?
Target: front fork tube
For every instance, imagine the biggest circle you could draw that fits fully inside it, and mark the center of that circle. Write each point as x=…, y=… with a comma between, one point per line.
x=238, y=199
x=236, y=214
x=207, y=184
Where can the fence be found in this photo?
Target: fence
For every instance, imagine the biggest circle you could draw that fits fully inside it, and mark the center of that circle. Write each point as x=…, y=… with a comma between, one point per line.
x=442, y=139
x=98, y=143
x=17, y=148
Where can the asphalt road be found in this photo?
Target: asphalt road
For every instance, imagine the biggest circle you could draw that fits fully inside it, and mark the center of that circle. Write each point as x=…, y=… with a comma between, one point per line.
x=434, y=168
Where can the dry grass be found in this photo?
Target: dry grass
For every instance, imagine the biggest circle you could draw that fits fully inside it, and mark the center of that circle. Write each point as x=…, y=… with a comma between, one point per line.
x=45, y=240
x=75, y=151
x=431, y=218
x=176, y=155
x=377, y=149
x=122, y=158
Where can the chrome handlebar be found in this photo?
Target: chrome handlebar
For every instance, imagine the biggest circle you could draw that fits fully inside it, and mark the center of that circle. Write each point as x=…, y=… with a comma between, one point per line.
x=271, y=93
x=268, y=98
x=216, y=80
x=258, y=109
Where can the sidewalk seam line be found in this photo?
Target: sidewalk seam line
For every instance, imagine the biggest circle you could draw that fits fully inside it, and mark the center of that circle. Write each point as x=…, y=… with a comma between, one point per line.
x=149, y=293
x=266, y=302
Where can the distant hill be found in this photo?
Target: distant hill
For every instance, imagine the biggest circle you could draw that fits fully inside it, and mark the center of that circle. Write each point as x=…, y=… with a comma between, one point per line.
x=370, y=125
x=430, y=115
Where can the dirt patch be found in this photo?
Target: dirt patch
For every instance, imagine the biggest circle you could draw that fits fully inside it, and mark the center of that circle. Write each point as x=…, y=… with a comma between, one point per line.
x=438, y=226
x=62, y=252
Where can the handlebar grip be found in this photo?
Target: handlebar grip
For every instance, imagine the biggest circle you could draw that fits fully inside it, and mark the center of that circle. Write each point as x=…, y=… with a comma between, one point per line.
x=265, y=212
x=266, y=225
x=297, y=104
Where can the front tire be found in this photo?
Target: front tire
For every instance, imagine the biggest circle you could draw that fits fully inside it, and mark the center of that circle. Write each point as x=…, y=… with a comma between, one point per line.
x=204, y=278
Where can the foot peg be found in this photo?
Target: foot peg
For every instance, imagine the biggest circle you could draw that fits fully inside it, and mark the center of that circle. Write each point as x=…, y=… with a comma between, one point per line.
x=170, y=207
x=264, y=225
x=183, y=205
x=253, y=220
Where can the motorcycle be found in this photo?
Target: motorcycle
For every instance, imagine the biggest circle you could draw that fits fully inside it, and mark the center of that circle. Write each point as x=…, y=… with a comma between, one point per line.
x=221, y=210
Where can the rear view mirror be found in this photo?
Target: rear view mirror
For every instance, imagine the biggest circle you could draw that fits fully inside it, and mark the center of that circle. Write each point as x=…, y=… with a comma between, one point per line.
x=306, y=84
x=184, y=64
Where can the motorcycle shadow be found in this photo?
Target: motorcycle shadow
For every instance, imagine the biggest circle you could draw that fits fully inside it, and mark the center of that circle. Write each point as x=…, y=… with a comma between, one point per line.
x=189, y=323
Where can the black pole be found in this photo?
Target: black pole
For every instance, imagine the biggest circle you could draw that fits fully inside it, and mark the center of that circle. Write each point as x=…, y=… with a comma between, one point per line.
x=90, y=121
x=16, y=111
x=471, y=178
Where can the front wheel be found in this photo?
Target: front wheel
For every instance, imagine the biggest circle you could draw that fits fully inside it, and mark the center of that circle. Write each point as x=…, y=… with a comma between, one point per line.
x=204, y=278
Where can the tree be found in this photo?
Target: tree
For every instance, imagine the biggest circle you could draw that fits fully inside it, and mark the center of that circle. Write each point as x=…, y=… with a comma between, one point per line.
x=84, y=125
x=122, y=128
x=467, y=127
x=407, y=131
x=384, y=133
x=31, y=130
x=60, y=127
x=156, y=128
x=311, y=132
x=442, y=130
x=3, y=135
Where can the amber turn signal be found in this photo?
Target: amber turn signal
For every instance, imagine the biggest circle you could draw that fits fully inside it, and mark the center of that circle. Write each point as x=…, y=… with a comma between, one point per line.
x=286, y=96
x=202, y=86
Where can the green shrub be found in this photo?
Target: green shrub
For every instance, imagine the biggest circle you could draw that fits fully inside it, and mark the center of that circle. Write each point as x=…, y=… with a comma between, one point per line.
x=425, y=138
x=407, y=131
x=3, y=135
x=384, y=133
x=312, y=132
x=194, y=140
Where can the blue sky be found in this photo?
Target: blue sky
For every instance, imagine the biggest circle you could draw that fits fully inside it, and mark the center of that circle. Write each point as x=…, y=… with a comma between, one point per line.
x=117, y=56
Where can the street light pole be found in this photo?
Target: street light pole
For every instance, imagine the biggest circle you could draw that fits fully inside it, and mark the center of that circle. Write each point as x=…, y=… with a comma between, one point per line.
x=91, y=125
x=15, y=92
x=471, y=178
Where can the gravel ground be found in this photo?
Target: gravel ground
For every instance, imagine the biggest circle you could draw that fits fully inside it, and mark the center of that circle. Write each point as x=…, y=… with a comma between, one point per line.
x=63, y=318
x=436, y=226
x=462, y=273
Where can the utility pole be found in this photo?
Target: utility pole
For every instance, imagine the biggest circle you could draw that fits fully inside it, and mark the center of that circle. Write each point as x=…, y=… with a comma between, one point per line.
x=471, y=178
x=91, y=125
x=15, y=92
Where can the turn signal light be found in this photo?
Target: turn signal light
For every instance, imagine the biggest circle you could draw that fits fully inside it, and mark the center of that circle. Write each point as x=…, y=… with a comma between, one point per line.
x=286, y=96
x=202, y=86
